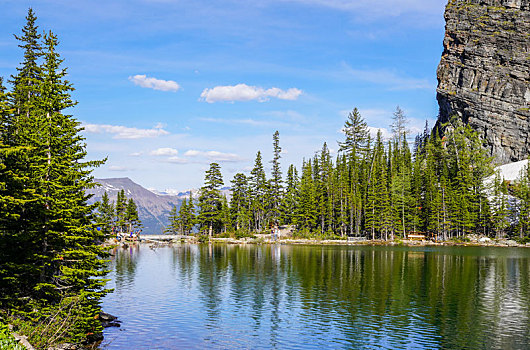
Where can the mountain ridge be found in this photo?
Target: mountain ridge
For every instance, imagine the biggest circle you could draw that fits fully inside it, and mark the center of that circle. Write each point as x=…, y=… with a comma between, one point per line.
x=153, y=206
x=153, y=209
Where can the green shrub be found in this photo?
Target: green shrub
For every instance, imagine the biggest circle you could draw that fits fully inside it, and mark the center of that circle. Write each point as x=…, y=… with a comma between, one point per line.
x=225, y=235
x=522, y=240
x=464, y=239
x=70, y=320
x=7, y=341
x=203, y=238
x=243, y=234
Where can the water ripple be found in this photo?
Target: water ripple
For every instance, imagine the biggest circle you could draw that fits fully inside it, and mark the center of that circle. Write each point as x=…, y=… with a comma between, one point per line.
x=291, y=297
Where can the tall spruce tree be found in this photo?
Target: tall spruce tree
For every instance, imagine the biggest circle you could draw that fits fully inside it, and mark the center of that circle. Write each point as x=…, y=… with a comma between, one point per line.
x=307, y=211
x=291, y=198
x=26, y=82
x=51, y=227
x=522, y=209
x=499, y=206
x=355, y=146
x=189, y=223
x=174, y=227
x=224, y=216
x=258, y=188
x=120, y=207
x=210, y=199
x=240, y=203
x=106, y=214
x=276, y=186
x=131, y=216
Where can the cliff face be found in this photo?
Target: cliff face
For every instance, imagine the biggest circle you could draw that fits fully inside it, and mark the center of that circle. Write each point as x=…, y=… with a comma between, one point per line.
x=484, y=72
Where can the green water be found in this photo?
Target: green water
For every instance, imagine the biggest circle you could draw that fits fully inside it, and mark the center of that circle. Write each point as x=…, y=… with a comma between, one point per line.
x=314, y=297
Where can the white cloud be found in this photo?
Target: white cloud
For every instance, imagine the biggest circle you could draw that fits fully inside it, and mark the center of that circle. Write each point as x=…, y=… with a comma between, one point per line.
x=124, y=132
x=214, y=155
x=385, y=133
x=135, y=154
x=244, y=92
x=154, y=83
x=164, y=151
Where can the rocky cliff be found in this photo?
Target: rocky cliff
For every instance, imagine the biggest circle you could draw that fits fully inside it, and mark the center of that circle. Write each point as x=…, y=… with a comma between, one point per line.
x=484, y=72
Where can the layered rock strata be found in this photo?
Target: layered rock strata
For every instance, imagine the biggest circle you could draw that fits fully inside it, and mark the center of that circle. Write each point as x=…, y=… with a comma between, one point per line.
x=484, y=72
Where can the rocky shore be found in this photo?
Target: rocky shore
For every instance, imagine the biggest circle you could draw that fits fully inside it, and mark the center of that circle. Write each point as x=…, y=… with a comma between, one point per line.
x=471, y=240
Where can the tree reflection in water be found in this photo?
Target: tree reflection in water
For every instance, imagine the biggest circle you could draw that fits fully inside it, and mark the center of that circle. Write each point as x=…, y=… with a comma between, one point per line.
x=227, y=296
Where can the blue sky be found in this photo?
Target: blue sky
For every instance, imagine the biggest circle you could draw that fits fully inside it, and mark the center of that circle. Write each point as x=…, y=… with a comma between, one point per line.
x=167, y=86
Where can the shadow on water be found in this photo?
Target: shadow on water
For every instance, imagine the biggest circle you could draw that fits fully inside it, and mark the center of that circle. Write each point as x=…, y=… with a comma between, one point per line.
x=279, y=296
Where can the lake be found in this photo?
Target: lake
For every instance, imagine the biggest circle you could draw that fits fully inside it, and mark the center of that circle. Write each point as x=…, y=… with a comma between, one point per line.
x=220, y=296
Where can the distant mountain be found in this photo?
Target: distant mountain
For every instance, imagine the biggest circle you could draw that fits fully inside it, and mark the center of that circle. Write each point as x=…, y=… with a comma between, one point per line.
x=153, y=209
x=225, y=191
x=153, y=206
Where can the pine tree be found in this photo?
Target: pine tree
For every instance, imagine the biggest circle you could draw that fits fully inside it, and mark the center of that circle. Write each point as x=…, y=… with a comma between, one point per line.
x=291, y=198
x=356, y=133
x=120, y=207
x=5, y=110
x=240, y=203
x=70, y=254
x=401, y=180
x=469, y=165
x=59, y=259
x=417, y=188
x=106, y=214
x=26, y=82
x=188, y=218
x=342, y=180
x=258, y=189
x=210, y=199
x=18, y=185
x=224, y=216
x=355, y=146
x=376, y=185
x=323, y=175
x=276, y=186
x=522, y=193
x=307, y=213
x=131, y=216
x=499, y=206
x=174, y=226
x=399, y=124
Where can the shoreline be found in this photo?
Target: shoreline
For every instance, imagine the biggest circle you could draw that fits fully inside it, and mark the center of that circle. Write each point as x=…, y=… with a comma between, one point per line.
x=265, y=239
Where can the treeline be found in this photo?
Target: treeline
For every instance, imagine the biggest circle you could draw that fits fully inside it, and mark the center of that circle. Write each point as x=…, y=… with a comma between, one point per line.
x=51, y=262
x=442, y=187
x=120, y=216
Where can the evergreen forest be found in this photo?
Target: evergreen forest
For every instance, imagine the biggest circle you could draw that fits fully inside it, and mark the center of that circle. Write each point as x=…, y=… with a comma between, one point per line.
x=443, y=187
x=52, y=263
x=118, y=217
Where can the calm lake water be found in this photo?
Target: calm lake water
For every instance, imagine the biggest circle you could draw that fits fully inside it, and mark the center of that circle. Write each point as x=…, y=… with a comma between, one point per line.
x=314, y=297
